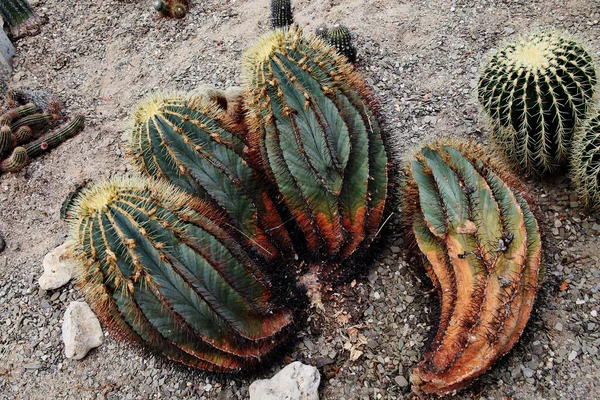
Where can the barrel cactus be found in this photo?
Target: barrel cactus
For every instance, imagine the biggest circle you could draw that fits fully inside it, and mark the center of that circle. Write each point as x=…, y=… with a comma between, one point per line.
x=193, y=143
x=535, y=92
x=481, y=247
x=159, y=267
x=313, y=127
x=585, y=162
x=340, y=37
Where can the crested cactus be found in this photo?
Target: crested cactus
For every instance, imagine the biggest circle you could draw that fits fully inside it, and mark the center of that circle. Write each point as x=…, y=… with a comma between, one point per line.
x=313, y=128
x=158, y=267
x=282, y=15
x=535, y=92
x=16, y=162
x=56, y=137
x=340, y=38
x=481, y=247
x=585, y=162
x=196, y=145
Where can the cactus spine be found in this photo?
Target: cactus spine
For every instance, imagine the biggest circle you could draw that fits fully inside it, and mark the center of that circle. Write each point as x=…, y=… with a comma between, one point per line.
x=157, y=266
x=313, y=128
x=482, y=249
x=282, y=15
x=585, y=162
x=16, y=162
x=195, y=144
x=535, y=92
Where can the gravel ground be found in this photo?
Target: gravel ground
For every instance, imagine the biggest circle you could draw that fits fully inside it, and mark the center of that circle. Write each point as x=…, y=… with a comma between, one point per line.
x=102, y=57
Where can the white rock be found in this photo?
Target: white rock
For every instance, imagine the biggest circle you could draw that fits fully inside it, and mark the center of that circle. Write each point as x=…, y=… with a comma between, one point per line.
x=295, y=382
x=81, y=330
x=58, y=267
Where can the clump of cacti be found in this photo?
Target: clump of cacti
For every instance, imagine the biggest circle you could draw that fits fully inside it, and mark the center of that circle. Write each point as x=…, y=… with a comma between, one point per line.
x=282, y=15
x=196, y=145
x=535, y=93
x=172, y=8
x=585, y=162
x=313, y=128
x=481, y=247
x=161, y=267
x=21, y=125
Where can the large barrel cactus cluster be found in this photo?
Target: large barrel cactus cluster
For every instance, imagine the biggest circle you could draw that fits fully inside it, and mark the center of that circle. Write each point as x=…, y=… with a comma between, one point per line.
x=297, y=174
x=482, y=251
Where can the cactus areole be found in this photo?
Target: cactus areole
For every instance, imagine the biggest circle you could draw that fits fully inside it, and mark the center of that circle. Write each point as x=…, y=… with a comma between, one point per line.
x=314, y=130
x=535, y=92
x=159, y=268
x=481, y=247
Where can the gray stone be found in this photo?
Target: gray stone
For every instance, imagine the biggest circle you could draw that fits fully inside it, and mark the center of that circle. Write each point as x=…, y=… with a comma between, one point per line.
x=58, y=267
x=295, y=382
x=401, y=381
x=81, y=330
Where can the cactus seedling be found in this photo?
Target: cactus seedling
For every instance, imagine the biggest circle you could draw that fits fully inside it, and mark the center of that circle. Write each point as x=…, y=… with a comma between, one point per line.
x=585, y=162
x=195, y=144
x=282, y=15
x=535, y=92
x=481, y=247
x=313, y=128
x=158, y=267
x=16, y=162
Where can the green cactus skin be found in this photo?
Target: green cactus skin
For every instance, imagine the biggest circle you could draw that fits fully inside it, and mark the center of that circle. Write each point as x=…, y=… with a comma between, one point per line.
x=16, y=113
x=7, y=139
x=161, y=6
x=158, y=267
x=482, y=250
x=339, y=37
x=282, y=15
x=193, y=143
x=56, y=137
x=313, y=128
x=15, y=12
x=23, y=134
x=585, y=162
x=16, y=162
x=535, y=92
x=39, y=122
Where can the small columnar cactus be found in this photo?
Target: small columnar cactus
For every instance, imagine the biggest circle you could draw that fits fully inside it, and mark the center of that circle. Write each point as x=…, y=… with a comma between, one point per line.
x=7, y=139
x=159, y=266
x=535, y=92
x=16, y=162
x=56, y=137
x=340, y=37
x=482, y=248
x=585, y=162
x=313, y=128
x=282, y=15
x=196, y=145
x=16, y=113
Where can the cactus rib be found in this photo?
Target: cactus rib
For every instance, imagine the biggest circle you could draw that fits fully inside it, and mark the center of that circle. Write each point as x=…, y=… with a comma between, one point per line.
x=482, y=249
x=158, y=266
x=535, y=92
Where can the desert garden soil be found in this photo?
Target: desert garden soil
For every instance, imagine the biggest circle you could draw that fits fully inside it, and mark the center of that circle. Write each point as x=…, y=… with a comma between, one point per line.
x=421, y=57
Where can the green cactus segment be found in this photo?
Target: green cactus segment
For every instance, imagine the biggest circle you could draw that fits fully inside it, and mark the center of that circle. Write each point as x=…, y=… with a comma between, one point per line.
x=156, y=259
x=585, y=162
x=23, y=134
x=193, y=143
x=16, y=113
x=34, y=121
x=16, y=162
x=7, y=139
x=56, y=137
x=311, y=121
x=281, y=13
x=535, y=93
x=482, y=248
x=15, y=12
x=340, y=38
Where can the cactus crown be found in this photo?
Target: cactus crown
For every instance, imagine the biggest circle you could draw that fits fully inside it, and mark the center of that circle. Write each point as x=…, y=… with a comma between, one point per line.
x=585, y=162
x=535, y=92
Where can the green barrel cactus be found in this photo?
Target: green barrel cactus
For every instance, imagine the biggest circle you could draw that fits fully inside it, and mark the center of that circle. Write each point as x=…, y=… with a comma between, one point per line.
x=340, y=37
x=313, y=127
x=482, y=249
x=585, y=162
x=195, y=144
x=158, y=266
x=535, y=92
x=282, y=15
